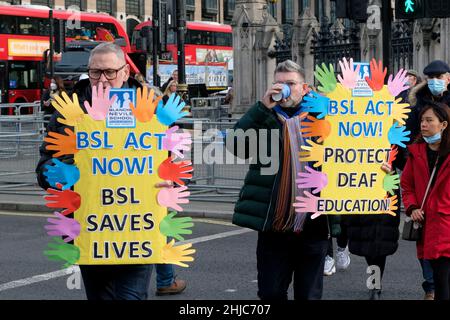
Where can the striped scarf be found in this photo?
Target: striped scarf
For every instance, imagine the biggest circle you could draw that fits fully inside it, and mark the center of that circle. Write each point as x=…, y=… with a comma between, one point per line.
x=286, y=218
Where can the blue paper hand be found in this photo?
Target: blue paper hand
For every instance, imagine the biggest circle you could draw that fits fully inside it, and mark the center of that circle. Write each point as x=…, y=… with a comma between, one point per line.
x=66, y=174
x=317, y=103
x=397, y=135
x=171, y=111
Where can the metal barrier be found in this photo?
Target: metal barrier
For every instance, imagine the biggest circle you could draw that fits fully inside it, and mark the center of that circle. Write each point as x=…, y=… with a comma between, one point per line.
x=209, y=108
x=20, y=138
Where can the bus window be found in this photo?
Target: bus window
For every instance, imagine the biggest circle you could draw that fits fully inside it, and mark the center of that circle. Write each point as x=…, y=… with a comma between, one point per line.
x=223, y=39
x=8, y=24
x=3, y=80
x=28, y=26
x=23, y=75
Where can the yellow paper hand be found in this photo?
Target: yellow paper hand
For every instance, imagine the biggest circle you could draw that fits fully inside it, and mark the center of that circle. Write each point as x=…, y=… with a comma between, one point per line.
x=316, y=128
x=63, y=144
x=400, y=111
x=314, y=152
x=175, y=255
x=69, y=109
x=145, y=106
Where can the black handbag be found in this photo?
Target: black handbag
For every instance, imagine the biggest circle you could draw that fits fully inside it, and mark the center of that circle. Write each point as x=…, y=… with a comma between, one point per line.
x=412, y=231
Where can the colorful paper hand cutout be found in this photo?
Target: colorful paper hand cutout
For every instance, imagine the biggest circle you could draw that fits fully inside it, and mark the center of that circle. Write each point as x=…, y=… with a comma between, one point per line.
x=400, y=111
x=67, y=199
x=314, y=152
x=62, y=144
x=307, y=204
x=316, y=103
x=312, y=179
x=100, y=102
x=66, y=174
x=171, y=111
x=349, y=76
x=392, y=205
x=397, y=135
x=69, y=109
x=175, y=171
x=326, y=77
x=316, y=128
x=392, y=154
x=172, y=197
x=63, y=226
x=376, y=83
x=177, y=255
x=391, y=182
x=176, y=142
x=64, y=252
x=145, y=104
x=175, y=227
x=398, y=84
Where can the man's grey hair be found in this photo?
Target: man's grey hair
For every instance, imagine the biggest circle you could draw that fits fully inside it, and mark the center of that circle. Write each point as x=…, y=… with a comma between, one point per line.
x=290, y=66
x=108, y=47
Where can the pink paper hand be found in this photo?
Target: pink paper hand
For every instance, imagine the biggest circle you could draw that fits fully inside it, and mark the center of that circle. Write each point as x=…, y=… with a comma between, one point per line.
x=349, y=75
x=176, y=142
x=307, y=204
x=100, y=102
x=312, y=179
x=63, y=226
x=398, y=84
x=172, y=197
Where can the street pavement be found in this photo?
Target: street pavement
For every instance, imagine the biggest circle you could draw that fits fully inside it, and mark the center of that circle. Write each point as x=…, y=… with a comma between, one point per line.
x=224, y=266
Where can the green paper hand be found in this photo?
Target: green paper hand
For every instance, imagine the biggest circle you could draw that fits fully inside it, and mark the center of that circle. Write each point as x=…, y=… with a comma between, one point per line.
x=175, y=227
x=391, y=182
x=326, y=77
x=61, y=251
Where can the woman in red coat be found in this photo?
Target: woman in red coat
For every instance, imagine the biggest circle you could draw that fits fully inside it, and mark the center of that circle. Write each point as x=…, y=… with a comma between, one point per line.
x=431, y=151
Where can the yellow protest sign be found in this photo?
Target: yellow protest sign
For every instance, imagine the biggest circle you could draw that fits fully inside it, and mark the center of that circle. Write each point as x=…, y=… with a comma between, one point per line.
x=120, y=154
x=358, y=133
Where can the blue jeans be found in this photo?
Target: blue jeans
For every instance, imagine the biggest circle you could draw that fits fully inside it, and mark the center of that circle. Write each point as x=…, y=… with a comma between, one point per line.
x=427, y=272
x=164, y=275
x=116, y=282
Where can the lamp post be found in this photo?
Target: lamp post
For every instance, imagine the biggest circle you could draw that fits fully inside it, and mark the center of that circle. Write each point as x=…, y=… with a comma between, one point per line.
x=181, y=30
x=155, y=38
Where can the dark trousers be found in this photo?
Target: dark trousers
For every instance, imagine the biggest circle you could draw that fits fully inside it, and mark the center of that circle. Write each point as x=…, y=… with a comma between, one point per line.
x=427, y=272
x=283, y=255
x=116, y=282
x=441, y=275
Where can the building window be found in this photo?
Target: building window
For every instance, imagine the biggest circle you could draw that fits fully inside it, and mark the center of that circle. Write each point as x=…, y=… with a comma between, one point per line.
x=287, y=11
x=272, y=8
x=104, y=6
x=48, y=3
x=79, y=3
x=229, y=6
x=132, y=7
x=209, y=9
x=302, y=5
x=190, y=7
x=318, y=8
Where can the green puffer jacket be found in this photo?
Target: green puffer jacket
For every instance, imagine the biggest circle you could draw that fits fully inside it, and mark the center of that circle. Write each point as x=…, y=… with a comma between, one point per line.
x=257, y=198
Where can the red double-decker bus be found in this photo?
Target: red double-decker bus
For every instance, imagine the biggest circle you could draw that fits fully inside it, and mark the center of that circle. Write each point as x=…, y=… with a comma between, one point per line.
x=208, y=53
x=24, y=36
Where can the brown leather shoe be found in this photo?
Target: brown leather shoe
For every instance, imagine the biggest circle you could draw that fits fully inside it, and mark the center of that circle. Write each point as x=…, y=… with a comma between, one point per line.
x=429, y=296
x=176, y=287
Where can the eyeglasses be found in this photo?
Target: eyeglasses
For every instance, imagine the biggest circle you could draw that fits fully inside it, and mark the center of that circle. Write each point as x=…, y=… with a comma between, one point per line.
x=289, y=83
x=110, y=74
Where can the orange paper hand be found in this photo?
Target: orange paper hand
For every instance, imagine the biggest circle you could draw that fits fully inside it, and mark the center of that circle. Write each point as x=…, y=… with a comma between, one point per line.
x=67, y=199
x=62, y=144
x=392, y=205
x=175, y=171
x=316, y=128
x=392, y=154
x=378, y=75
x=145, y=106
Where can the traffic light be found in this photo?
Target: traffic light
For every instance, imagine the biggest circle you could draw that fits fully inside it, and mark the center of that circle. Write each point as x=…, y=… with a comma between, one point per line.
x=410, y=9
x=438, y=9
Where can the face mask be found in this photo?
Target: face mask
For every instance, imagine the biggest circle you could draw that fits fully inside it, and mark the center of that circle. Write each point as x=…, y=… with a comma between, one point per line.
x=53, y=86
x=436, y=86
x=408, y=83
x=433, y=139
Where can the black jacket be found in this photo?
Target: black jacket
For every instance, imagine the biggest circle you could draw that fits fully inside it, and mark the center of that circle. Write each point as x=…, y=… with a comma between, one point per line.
x=84, y=92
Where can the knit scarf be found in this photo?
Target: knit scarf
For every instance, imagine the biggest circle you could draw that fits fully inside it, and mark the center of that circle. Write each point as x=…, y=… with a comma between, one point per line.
x=286, y=218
